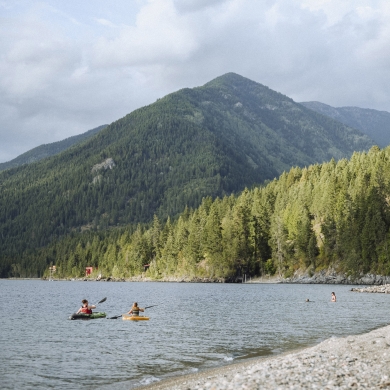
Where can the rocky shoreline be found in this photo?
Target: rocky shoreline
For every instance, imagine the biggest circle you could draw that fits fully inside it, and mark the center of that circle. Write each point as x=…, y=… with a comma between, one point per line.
x=332, y=277
x=322, y=277
x=144, y=279
x=384, y=289
x=337, y=363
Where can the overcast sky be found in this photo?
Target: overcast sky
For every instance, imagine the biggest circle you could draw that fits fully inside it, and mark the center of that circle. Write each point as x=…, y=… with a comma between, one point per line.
x=67, y=66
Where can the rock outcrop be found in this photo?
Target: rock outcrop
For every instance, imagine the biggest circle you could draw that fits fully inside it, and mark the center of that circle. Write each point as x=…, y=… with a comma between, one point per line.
x=106, y=164
x=384, y=289
x=332, y=277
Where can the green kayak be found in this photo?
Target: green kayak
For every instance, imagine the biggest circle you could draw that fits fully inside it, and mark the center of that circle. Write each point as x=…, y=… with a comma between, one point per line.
x=83, y=316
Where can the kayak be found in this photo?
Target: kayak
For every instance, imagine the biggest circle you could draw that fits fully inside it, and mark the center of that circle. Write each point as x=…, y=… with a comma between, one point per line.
x=134, y=318
x=83, y=316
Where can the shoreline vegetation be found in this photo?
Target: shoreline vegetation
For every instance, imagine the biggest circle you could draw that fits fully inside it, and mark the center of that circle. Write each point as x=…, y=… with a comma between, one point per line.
x=356, y=361
x=327, y=223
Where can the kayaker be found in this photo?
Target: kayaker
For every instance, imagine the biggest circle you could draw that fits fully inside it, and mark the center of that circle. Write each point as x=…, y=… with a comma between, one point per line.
x=134, y=311
x=85, y=308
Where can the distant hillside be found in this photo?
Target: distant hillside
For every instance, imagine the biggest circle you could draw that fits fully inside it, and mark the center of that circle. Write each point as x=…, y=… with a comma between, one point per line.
x=323, y=219
x=376, y=124
x=47, y=150
x=212, y=140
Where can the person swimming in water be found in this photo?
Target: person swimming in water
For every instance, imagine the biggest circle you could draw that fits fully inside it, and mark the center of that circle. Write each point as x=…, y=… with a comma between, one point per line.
x=333, y=299
x=134, y=311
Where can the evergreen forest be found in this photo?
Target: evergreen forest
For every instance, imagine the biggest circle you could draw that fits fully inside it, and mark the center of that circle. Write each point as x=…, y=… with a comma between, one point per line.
x=331, y=215
x=374, y=123
x=190, y=149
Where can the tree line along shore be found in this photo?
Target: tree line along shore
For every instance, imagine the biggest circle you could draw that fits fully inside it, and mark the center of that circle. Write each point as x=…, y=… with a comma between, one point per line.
x=330, y=216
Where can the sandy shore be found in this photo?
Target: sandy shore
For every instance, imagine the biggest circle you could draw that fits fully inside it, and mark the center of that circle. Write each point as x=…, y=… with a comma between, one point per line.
x=353, y=362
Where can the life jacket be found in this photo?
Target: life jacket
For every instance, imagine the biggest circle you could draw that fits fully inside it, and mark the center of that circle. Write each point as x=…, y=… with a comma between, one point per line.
x=86, y=310
x=135, y=311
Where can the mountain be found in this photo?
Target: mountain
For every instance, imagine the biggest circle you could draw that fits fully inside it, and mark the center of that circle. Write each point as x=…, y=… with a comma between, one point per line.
x=47, y=150
x=376, y=124
x=212, y=140
x=308, y=225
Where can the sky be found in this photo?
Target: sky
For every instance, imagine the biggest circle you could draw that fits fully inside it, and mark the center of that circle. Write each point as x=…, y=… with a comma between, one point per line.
x=69, y=66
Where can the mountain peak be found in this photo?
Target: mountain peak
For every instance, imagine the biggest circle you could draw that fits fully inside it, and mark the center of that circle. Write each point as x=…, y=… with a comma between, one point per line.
x=231, y=79
x=247, y=89
x=212, y=141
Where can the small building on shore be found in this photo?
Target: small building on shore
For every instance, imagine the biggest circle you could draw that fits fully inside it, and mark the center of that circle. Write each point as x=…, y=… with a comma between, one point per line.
x=88, y=271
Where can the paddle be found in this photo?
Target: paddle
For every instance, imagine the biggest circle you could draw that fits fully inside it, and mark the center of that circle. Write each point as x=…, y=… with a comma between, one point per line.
x=115, y=317
x=102, y=300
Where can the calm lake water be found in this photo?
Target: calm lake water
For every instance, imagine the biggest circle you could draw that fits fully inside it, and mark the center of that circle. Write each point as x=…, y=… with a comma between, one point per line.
x=194, y=327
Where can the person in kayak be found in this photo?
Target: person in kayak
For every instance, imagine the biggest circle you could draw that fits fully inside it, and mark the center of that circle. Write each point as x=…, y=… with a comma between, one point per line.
x=85, y=308
x=134, y=311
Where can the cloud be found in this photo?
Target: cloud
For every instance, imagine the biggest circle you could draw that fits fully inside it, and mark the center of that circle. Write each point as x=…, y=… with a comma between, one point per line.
x=159, y=36
x=64, y=71
x=185, y=6
x=105, y=22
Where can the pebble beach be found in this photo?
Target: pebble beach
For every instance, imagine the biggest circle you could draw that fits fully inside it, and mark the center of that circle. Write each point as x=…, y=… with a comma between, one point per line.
x=353, y=362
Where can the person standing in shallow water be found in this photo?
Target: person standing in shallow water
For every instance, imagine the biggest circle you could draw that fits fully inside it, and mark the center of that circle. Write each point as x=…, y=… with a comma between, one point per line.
x=134, y=311
x=333, y=299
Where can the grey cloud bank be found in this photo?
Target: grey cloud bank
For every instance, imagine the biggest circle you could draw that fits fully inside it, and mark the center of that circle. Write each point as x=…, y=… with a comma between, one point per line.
x=68, y=67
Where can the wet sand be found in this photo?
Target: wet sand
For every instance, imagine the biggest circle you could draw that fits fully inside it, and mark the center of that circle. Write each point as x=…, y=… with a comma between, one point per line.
x=353, y=362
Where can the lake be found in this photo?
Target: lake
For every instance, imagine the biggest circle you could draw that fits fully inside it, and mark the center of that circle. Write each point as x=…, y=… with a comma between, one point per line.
x=193, y=327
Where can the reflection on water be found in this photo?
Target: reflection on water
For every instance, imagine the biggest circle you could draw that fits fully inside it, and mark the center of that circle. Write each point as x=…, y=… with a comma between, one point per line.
x=194, y=327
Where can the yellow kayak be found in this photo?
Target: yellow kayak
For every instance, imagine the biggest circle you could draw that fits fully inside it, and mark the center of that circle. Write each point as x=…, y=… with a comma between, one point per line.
x=129, y=317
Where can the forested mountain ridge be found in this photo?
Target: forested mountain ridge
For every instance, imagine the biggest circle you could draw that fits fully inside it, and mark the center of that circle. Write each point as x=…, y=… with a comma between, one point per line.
x=280, y=129
x=208, y=141
x=333, y=215
x=47, y=150
x=374, y=123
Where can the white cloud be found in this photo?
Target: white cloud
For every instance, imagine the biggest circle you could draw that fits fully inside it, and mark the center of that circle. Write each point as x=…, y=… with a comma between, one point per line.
x=159, y=36
x=64, y=70
x=185, y=6
x=105, y=22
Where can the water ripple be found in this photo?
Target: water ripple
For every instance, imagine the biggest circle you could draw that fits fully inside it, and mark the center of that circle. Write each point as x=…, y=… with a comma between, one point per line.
x=194, y=327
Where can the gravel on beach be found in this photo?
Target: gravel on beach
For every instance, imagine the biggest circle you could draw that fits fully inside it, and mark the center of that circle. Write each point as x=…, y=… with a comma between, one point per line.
x=353, y=362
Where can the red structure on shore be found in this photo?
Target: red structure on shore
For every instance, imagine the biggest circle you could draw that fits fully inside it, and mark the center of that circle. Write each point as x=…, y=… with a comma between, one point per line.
x=88, y=271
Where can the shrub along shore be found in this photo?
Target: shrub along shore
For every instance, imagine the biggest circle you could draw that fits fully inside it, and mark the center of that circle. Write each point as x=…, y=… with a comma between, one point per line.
x=361, y=361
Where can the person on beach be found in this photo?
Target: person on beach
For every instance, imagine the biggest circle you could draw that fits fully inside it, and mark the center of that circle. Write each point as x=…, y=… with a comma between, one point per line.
x=85, y=308
x=333, y=299
x=134, y=311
